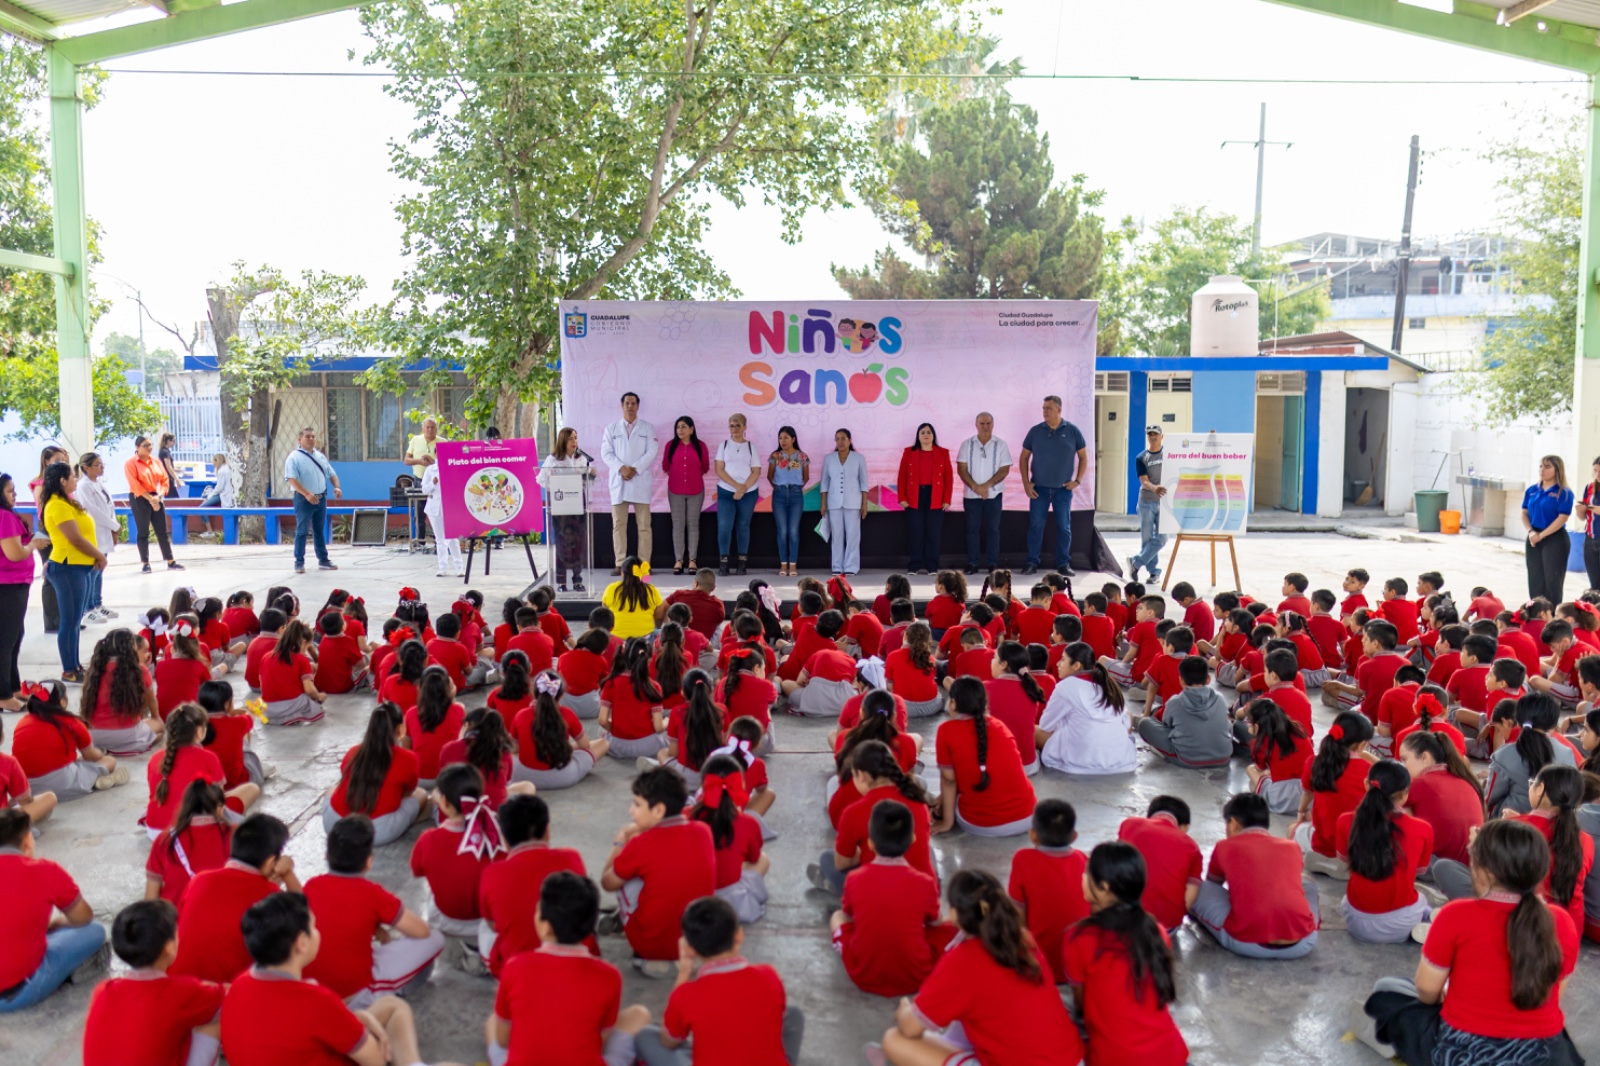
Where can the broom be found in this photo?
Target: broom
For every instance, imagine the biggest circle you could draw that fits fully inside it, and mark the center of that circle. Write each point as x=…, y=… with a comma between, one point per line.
x=1372, y=475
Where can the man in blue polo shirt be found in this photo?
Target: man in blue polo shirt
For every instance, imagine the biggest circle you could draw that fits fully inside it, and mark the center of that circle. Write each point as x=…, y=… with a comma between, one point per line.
x=1054, y=461
x=310, y=476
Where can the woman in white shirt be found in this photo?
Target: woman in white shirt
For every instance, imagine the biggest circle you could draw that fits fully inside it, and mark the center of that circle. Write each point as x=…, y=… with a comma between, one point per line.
x=448, y=548
x=568, y=528
x=1084, y=728
x=737, y=474
x=844, y=502
x=93, y=497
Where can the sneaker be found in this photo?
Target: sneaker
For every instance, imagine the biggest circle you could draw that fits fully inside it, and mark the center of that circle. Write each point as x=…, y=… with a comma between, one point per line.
x=119, y=776
x=1133, y=569
x=817, y=878
x=145, y=569
x=326, y=566
x=1153, y=574
x=72, y=677
x=1435, y=898
x=1419, y=932
x=440, y=573
x=93, y=617
x=472, y=962
x=174, y=566
x=1029, y=569
x=298, y=569
x=577, y=586
x=1365, y=1029
x=610, y=924
x=107, y=613
x=644, y=763
x=656, y=969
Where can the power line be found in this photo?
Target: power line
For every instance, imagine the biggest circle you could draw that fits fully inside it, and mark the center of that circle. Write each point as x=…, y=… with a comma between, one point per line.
x=675, y=75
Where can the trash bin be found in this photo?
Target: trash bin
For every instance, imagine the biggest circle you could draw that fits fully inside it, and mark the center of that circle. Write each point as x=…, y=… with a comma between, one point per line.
x=1449, y=521
x=1429, y=503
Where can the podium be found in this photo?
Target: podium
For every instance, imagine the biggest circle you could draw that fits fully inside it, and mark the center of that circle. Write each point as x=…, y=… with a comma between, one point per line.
x=567, y=497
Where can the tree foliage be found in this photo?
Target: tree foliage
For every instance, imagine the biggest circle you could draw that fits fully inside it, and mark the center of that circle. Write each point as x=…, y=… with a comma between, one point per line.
x=1151, y=280
x=570, y=151
x=1529, y=357
x=990, y=221
x=158, y=362
x=29, y=386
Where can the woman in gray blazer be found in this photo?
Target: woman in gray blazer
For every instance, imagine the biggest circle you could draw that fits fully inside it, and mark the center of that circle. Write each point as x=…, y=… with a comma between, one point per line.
x=844, y=502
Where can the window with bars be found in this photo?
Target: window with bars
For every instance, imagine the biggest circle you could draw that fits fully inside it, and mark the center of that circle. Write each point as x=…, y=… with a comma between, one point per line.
x=384, y=440
x=345, y=443
x=453, y=405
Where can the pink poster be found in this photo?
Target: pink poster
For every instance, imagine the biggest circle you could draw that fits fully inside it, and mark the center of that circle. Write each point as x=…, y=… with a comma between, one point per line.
x=490, y=488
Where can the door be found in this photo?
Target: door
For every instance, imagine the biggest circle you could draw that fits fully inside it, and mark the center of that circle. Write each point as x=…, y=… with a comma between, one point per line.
x=1399, y=461
x=1294, y=420
x=1111, y=453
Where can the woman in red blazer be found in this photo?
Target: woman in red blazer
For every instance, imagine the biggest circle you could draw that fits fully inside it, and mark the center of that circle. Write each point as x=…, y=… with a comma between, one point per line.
x=924, y=485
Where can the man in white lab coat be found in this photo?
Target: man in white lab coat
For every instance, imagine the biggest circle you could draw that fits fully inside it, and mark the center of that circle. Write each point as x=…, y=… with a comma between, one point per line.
x=629, y=451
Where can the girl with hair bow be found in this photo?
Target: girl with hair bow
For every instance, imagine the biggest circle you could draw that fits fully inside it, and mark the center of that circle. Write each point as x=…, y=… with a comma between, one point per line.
x=741, y=864
x=453, y=855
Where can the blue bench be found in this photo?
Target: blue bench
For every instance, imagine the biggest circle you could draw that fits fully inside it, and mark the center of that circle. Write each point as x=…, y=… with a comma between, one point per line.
x=274, y=516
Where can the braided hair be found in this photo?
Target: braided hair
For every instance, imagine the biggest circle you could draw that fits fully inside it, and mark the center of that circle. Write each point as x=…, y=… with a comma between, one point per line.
x=874, y=759
x=186, y=726
x=972, y=700
x=985, y=913
x=115, y=663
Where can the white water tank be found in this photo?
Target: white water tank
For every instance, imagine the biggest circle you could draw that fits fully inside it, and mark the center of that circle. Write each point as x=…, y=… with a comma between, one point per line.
x=1225, y=318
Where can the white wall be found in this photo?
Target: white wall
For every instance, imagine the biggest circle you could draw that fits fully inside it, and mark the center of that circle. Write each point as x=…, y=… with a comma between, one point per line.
x=1449, y=420
x=1330, y=451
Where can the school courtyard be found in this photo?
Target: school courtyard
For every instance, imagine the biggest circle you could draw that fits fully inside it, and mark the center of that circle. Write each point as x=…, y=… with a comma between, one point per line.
x=1232, y=1011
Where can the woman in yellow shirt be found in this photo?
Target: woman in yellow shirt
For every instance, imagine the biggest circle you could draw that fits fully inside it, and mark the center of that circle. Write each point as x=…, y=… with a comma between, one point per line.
x=73, y=560
x=632, y=600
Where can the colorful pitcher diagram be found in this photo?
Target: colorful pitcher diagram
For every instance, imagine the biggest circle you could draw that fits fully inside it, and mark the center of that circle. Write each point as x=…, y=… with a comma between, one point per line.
x=1209, y=500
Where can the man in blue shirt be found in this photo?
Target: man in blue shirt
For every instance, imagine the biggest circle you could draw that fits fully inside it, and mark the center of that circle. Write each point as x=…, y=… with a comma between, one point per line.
x=1147, y=467
x=309, y=475
x=1053, y=462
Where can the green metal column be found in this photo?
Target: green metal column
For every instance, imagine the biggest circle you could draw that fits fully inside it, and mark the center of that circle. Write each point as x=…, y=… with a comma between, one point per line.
x=1586, y=368
x=72, y=246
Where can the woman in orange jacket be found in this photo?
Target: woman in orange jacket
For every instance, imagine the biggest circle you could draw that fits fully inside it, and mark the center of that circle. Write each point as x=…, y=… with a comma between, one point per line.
x=924, y=485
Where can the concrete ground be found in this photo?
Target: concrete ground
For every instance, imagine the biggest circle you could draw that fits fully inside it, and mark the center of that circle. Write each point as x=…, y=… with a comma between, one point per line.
x=1231, y=1011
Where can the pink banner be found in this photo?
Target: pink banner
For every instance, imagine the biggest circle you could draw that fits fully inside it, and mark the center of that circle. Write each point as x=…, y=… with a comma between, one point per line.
x=875, y=367
x=490, y=488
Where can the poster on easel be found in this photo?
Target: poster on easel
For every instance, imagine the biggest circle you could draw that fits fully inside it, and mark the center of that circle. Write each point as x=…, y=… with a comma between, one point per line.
x=490, y=488
x=1207, y=476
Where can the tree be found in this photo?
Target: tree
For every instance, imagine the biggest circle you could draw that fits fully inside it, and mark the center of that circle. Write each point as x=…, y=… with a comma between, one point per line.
x=990, y=221
x=1529, y=358
x=1156, y=274
x=268, y=330
x=29, y=386
x=570, y=151
x=157, y=363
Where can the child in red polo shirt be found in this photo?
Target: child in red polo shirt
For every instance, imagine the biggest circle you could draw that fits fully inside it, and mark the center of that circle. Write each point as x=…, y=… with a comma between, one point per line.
x=1171, y=858
x=1143, y=647
x=272, y=623
x=887, y=928
x=1119, y=963
x=1385, y=848
x=862, y=629
x=1034, y=621
x=274, y=1015
x=973, y=660
x=197, y=840
x=1375, y=675
x=1267, y=909
x=827, y=680
x=1397, y=709
x=732, y=1010
x=583, y=670
x=533, y=641
x=661, y=862
x=1047, y=880
x=1559, y=676
x=559, y=1002
x=341, y=666
x=210, y=945
x=1161, y=680
x=40, y=954
x=453, y=856
x=447, y=650
x=15, y=791
x=1447, y=653
x=228, y=730
x=1294, y=595
x=1397, y=610
x=350, y=910
x=876, y=774
x=1503, y=682
x=184, y=760
x=151, y=1016
x=1010, y=1011
x=1099, y=628
x=508, y=893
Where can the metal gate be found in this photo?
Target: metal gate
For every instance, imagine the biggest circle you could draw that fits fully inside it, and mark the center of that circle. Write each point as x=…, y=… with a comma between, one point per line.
x=197, y=423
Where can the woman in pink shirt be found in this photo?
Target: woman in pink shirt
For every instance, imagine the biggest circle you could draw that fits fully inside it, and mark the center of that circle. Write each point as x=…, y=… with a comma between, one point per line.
x=686, y=463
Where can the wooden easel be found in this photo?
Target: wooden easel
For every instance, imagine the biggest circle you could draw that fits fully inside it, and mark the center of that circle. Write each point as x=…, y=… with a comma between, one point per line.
x=1213, y=539
x=528, y=540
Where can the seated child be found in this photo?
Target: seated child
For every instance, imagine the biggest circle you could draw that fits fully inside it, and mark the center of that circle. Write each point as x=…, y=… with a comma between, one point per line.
x=508, y=889
x=1502, y=682
x=379, y=778
x=1515, y=764
x=1294, y=595
x=434, y=722
x=553, y=751
x=875, y=775
x=983, y=786
x=466, y=670
x=1047, y=881
x=1084, y=728
x=185, y=760
x=827, y=680
x=240, y=615
x=1143, y=647
x=288, y=685
x=694, y=731
x=1119, y=964
x=198, y=839
x=1397, y=610
x=228, y=730
x=1279, y=749
x=1385, y=848
x=262, y=645
x=910, y=673
x=119, y=697
x=887, y=929
x=15, y=791
x=1161, y=681
x=341, y=666
x=179, y=676
x=1332, y=783
x=630, y=705
x=1468, y=686
x=661, y=862
x=973, y=660
x=1559, y=670
x=1397, y=709
x=1171, y=858
x=1375, y=675
x=1444, y=793
x=559, y=1003
x=453, y=856
x=151, y=1015
x=351, y=911
x=1197, y=614
x=224, y=647
x=41, y=954
x=995, y=982
x=1255, y=899
x=210, y=944
x=764, y=1029
x=741, y=864
x=1193, y=728
x=583, y=670
x=745, y=690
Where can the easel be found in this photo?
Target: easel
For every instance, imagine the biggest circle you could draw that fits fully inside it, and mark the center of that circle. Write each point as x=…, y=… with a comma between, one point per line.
x=488, y=549
x=1211, y=538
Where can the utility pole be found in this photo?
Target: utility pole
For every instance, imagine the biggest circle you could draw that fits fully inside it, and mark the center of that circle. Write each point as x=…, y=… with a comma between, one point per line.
x=1260, y=145
x=1403, y=263
x=144, y=380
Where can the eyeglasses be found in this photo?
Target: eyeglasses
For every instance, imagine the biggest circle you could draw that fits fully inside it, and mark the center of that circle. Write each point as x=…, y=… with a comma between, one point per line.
x=1153, y=429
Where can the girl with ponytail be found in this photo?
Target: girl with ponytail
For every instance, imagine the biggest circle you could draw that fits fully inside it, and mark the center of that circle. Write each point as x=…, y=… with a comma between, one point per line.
x=875, y=775
x=876, y=723
x=741, y=864
x=1085, y=727
x=1385, y=848
x=400, y=686
x=486, y=745
x=1555, y=796
x=1119, y=964
x=983, y=786
x=694, y=731
x=1488, y=988
x=669, y=664
x=55, y=751
x=434, y=722
x=1429, y=705
x=630, y=705
x=1016, y=699
x=515, y=690
x=186, y=760
x=994, y=982
x=288, y=679
x=745, y=691
x=1279, y=751
x=179, y=676
x=1333, y=782
x=1445, y=793
x=196, y=840
x=378, y=778
x=553, y=751
x=1513, y=767
x=909, y=673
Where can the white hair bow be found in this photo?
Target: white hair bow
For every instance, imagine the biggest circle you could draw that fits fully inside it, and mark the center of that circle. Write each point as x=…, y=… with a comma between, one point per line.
x=736, y=748
x=153, y=623
x=548, y=684
x=769, y=599
x=872, y=671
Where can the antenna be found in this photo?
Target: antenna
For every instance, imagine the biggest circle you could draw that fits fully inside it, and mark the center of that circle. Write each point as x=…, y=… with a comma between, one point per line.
x=1260, y=145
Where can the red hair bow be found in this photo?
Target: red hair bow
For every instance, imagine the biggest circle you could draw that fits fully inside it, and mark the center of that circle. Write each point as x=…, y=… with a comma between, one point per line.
x=409, y=595
x=715, y=786
x=1429, y=703
x=462, y=609
x=481, y=837
x=400, y=636
x=1336, y=732
x=1586, y=607
x=31, y=689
